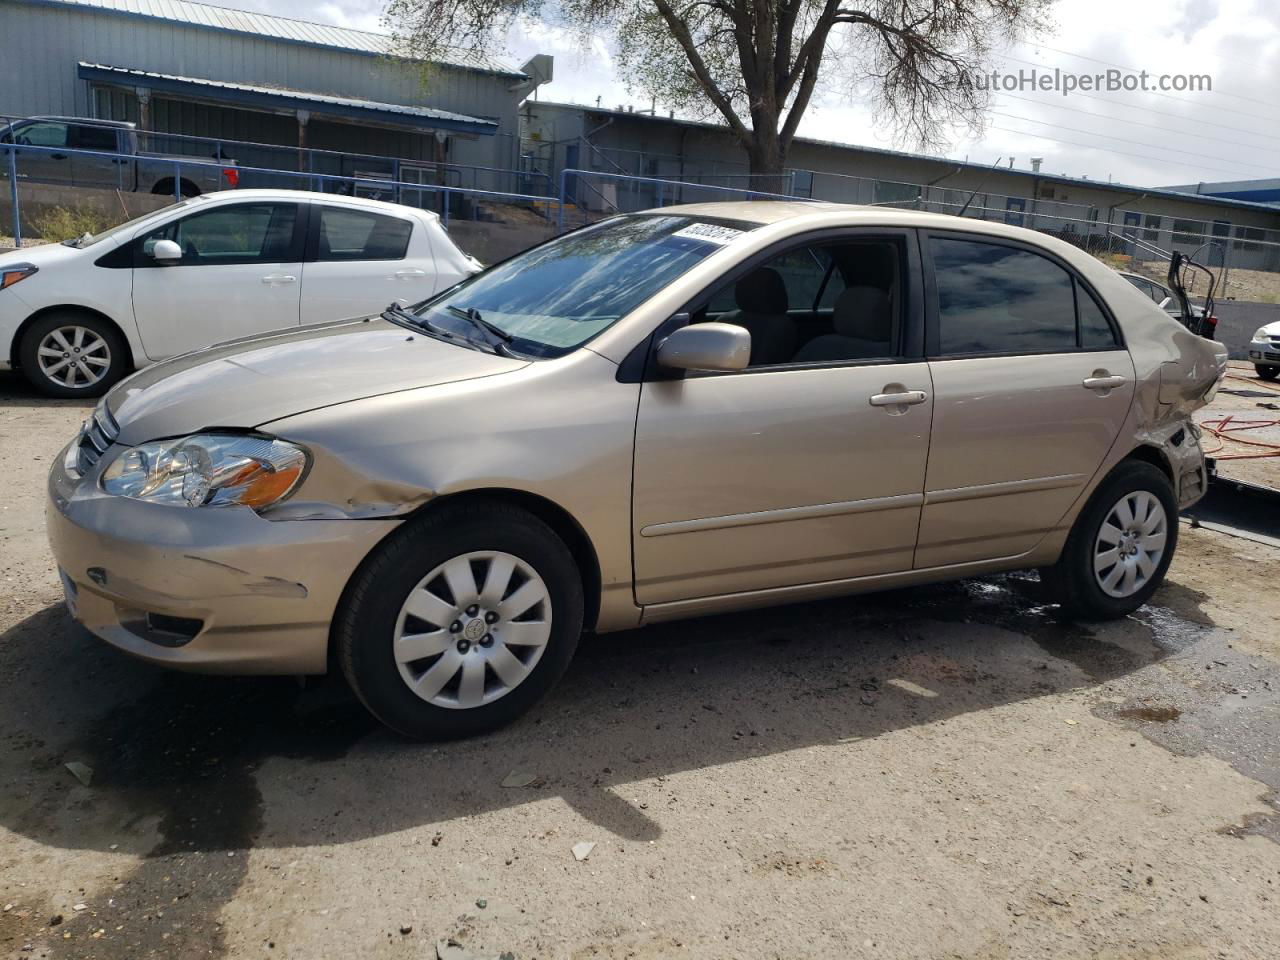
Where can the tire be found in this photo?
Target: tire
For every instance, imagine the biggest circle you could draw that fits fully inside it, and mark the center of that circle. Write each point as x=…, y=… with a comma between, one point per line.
x=395, y=606
x=94, y=355
x=1267, y=372
x=1079, y=580
x=164, y=188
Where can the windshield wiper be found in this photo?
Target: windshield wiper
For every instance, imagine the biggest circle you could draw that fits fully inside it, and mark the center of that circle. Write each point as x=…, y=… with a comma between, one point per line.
x=402, y=317
x=473, y=315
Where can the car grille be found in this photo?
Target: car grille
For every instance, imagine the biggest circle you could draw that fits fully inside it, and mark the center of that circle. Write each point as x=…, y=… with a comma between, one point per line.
x=96, y=435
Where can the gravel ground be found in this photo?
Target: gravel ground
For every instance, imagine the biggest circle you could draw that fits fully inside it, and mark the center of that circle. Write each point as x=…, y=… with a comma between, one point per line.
x=934, y=773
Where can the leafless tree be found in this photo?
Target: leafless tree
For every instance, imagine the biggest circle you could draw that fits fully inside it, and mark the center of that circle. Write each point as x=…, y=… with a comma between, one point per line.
x=758, y=64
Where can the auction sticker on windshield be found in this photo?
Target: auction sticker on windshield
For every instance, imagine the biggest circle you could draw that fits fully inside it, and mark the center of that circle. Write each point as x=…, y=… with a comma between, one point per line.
x=709, y=233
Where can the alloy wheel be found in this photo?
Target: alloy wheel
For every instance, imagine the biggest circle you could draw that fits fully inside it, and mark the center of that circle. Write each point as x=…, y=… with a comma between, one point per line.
x=1130, y=544
x=73, y=356
x=473, y=629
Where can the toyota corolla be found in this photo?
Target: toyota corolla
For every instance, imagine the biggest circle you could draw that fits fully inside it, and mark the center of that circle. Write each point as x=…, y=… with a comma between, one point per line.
x=674, y=413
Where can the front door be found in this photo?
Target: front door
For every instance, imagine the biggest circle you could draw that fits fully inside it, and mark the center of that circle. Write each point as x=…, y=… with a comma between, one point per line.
x=809, y=465
x=52, y=162
x=240, y=274
x=1031, y=387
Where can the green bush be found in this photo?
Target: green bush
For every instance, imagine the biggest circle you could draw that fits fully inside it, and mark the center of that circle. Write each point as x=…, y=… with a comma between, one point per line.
x=63, y=223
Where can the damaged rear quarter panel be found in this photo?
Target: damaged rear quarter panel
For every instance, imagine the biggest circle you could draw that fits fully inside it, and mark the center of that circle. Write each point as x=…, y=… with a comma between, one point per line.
x=1175, y=372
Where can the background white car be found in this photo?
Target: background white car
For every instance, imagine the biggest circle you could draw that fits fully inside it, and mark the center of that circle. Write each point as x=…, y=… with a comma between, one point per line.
x=1264, y=351
x=75, y=317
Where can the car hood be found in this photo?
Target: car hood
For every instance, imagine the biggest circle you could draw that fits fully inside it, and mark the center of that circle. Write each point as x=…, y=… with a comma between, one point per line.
x=249, y=382
x=45, y=255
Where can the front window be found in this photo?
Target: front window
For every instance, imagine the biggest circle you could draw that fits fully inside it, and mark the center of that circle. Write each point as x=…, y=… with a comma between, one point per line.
x=558, y=296
x=243, y=233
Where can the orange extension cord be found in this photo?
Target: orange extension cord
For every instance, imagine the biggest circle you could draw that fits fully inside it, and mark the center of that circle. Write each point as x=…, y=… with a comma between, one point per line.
x=1226, y=428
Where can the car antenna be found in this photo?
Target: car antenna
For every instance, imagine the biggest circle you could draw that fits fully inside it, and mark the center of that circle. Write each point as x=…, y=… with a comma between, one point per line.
x=979, y=186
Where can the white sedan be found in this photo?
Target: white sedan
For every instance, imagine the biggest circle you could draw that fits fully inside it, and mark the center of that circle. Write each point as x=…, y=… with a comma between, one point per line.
x=75, y=317
x=1264, y=351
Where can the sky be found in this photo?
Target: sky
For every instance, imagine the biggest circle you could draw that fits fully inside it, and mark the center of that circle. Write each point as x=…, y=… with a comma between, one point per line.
x=1231, y=132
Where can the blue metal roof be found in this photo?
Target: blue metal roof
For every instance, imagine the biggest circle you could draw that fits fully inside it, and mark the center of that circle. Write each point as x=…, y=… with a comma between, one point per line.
x=207, y=16
x=277, y=97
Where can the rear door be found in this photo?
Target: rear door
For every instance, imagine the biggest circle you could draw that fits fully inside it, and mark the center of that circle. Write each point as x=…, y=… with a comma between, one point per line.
x=239, y=275
x=358, y=261
x=104, y=166
x=1031, y=387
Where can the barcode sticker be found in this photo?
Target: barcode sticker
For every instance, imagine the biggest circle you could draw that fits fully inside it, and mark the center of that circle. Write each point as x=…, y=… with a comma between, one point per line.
x=709, y=233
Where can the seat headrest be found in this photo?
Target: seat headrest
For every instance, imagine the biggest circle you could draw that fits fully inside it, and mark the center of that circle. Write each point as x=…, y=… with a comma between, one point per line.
x=761, y=291
x=874, y=265
x=863, y=312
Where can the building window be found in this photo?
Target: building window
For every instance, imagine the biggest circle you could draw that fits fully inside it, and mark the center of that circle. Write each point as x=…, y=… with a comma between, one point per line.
x=1188, y=231
x=1151, y=227
x=1246, y=234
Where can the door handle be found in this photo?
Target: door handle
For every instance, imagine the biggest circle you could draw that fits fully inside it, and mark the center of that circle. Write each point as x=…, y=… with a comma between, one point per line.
x=57, y=156
x=898, y=401
x=274, y=278
x=411, y=273
x=1101, y=380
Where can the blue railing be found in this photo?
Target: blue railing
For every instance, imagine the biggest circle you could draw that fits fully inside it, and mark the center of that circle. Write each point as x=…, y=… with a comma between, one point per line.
x=742, y=192
x=395, y=188
x=284, y=158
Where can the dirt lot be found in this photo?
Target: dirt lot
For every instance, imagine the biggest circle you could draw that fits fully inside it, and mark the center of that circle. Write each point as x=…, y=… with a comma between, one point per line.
x=936, y=773
x=1253, y=409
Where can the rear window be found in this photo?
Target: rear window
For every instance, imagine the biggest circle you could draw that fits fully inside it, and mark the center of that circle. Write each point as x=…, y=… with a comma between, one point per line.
x=996, y=299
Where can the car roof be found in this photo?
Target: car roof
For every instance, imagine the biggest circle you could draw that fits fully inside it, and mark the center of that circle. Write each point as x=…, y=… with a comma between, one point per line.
x=819, y=213
x=313, y=196
x=783, y=217
x=85, y=122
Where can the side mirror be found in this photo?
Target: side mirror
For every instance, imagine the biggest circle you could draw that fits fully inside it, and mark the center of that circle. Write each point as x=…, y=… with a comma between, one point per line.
x=166, y=251
x=706, y=346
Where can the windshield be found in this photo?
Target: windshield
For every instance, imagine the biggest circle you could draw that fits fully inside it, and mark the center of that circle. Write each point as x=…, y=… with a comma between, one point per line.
x=558, y=296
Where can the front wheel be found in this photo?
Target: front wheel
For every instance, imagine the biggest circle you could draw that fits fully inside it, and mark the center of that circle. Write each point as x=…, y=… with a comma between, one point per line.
x=1120, y=547
x=1266, y=372
x=72, y=355
x=461, y=621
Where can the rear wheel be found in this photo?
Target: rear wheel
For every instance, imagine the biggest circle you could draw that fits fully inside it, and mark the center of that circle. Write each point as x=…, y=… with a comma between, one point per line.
x=461, y=621
x=72, y=355
x=1120, y=547
x=1267, y=372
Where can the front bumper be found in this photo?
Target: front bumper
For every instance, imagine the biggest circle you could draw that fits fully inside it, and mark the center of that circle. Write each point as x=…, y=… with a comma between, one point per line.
x=209, y=590
x=1265, y=352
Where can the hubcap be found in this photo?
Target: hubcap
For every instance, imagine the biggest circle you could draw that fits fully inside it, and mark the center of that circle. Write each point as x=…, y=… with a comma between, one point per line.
x=73, y=356
x=1130, y=544
x=472, y=630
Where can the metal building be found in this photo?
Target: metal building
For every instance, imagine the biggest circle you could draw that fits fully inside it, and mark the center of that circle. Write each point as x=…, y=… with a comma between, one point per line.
x=181, y=67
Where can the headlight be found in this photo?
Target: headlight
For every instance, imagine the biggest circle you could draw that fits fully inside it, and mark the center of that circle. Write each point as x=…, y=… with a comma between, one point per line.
x=1261, y=334
x=208, y=470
